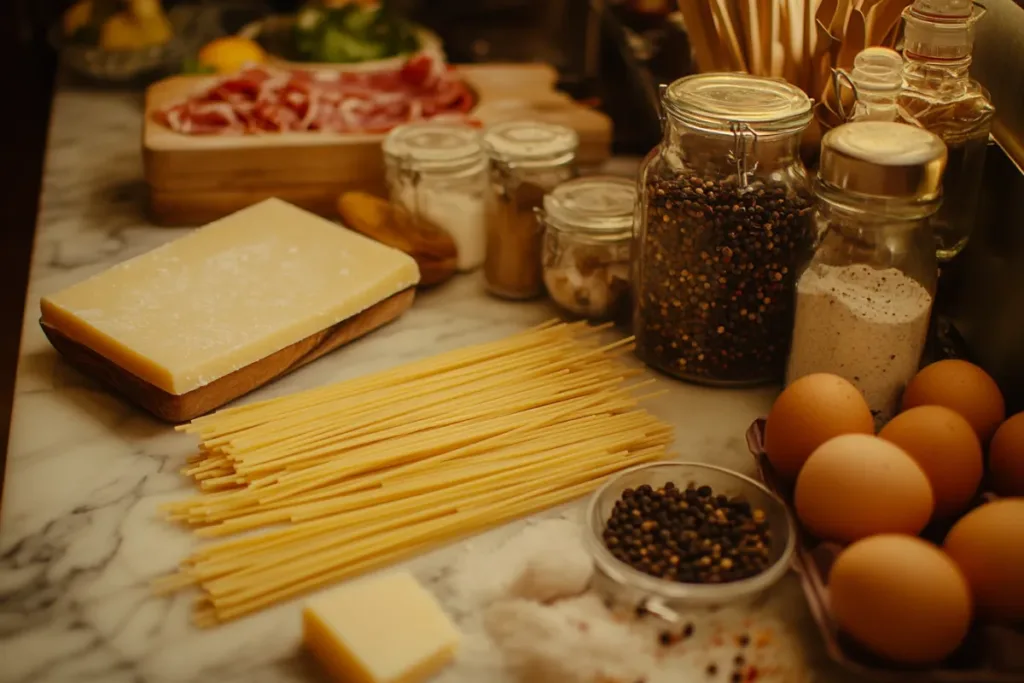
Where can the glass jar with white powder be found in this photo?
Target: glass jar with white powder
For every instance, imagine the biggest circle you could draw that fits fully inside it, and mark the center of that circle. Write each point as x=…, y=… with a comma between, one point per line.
x=439, y=172
x=864, y=300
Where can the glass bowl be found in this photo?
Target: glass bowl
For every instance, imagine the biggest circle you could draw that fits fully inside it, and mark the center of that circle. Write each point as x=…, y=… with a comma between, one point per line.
x=624, y=583
x=122, y=66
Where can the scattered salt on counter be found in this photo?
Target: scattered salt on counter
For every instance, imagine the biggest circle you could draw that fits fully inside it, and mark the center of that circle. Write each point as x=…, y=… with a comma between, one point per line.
x=545, y=561
x=862, y=323
x=574, y=642
x=523, y=601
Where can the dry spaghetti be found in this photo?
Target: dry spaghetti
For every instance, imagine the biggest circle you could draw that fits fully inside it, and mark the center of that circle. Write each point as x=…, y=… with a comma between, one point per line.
x=347, y=478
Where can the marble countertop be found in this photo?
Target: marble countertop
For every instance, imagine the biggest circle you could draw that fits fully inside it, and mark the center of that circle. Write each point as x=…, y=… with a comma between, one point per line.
x=80, y=538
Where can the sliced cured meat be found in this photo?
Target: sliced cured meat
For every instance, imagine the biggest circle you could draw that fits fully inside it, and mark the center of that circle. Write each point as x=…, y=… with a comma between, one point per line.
x=267, y=100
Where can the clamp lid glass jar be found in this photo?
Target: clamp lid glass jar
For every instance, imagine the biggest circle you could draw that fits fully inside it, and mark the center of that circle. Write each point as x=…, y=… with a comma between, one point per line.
x=439, y=173
x=528, y=159
x=864, y=299
x=724, y=219
x=588, y=231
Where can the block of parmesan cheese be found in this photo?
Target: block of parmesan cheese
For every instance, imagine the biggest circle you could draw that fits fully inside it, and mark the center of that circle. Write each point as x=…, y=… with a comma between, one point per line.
x=384, y=629
x=227, y=295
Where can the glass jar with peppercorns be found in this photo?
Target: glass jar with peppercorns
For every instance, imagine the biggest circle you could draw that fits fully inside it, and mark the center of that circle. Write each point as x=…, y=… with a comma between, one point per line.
x=723, y=221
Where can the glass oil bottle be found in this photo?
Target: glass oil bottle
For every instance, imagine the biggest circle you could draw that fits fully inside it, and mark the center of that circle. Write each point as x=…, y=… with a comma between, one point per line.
x=940, y=95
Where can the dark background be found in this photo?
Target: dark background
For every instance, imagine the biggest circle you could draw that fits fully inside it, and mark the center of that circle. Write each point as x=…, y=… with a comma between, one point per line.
x=24, y=118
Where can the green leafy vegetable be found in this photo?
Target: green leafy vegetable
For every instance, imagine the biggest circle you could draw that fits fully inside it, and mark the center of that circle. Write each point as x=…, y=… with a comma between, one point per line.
x=352, y=34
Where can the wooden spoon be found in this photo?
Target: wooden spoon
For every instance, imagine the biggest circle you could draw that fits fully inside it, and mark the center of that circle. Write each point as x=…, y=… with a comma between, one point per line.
x=883, y=17
x=700, y=32
x=853, y=41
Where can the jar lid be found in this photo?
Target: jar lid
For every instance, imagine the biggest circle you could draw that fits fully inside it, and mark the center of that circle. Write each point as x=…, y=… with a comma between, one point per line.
x=434, y=145
x=883, y=159
x=718, y=101
x=531, y=142
x=940, y=29
x=599, y=206
x=877, y=69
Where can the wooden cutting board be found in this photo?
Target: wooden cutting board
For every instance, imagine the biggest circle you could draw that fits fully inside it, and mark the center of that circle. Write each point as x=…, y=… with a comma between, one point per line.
x=196, y=179
x=182, y=408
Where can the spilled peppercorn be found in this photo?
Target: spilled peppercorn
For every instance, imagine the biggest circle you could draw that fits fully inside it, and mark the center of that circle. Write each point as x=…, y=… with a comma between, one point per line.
x=688, y=535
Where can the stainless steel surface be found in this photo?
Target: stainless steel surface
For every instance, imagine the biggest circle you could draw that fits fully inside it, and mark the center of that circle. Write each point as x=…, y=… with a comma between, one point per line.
x=999, y=66
x=990, y=309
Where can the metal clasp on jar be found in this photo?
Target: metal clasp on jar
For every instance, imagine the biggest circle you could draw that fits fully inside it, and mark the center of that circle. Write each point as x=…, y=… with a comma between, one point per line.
x=541, y=216
x=506, y=175
x=662, y=89
x=744, y=149
x=407, y=171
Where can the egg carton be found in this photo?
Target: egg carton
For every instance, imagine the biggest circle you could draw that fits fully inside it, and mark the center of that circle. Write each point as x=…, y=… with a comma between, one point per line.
x=991, y=653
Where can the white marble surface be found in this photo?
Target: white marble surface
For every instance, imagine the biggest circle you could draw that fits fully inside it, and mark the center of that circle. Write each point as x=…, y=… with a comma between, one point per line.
x=79, y=534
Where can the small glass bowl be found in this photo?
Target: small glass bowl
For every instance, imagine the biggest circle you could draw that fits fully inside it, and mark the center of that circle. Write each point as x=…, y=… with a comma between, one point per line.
x=121, y=66
x=625, y=584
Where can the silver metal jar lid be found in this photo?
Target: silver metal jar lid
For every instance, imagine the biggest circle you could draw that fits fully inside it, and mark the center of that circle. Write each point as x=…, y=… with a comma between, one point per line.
x=883, y=159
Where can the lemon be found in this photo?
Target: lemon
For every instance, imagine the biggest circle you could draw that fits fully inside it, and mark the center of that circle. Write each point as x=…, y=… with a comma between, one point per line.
x=228, y=55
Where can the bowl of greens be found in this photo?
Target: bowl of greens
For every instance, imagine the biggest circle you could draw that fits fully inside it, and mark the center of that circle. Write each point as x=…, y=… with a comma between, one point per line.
x=353, y=36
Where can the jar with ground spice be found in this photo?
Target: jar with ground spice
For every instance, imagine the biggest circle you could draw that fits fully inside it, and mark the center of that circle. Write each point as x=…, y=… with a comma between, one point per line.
x=439, y=173
x=864, y=299
x=528, y=159
x=724, y=219
x=588, y=230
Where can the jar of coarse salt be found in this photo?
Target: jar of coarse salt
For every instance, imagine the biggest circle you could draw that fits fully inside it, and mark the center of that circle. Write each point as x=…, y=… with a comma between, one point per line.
x=439, y=172
x=864, y=300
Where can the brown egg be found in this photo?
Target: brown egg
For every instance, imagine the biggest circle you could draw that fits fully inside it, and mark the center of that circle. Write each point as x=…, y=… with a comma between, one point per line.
x=808, y=413
x=1006, y=458
x=946, y=447
x=901, y=598
x=988, y=545
x=965, y=388
x=857, y=485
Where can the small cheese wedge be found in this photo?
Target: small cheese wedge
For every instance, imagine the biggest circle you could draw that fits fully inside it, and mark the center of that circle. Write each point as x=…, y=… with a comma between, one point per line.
x=384, y=629
x=227, y=295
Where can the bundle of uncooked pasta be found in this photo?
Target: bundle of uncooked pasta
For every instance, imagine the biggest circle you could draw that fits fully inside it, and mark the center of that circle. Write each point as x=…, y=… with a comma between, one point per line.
x=363, y=473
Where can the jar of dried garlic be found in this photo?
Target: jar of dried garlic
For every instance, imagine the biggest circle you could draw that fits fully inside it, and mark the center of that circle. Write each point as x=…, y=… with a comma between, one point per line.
x=588, y=232
x=528, y=159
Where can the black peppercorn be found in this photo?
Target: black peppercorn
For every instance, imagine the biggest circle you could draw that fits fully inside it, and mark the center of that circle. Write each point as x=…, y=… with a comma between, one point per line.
x=689, y=536
x=717, y=263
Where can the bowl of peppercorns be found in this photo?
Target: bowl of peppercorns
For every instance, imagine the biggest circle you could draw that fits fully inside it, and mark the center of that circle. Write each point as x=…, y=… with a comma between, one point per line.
x=688, y=534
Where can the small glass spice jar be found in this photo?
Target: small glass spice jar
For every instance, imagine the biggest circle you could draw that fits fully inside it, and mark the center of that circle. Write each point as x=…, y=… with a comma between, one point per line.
x=528, y=159
x=723, y=221
x=864, y=299
x=439, y=173
x=588, y=230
